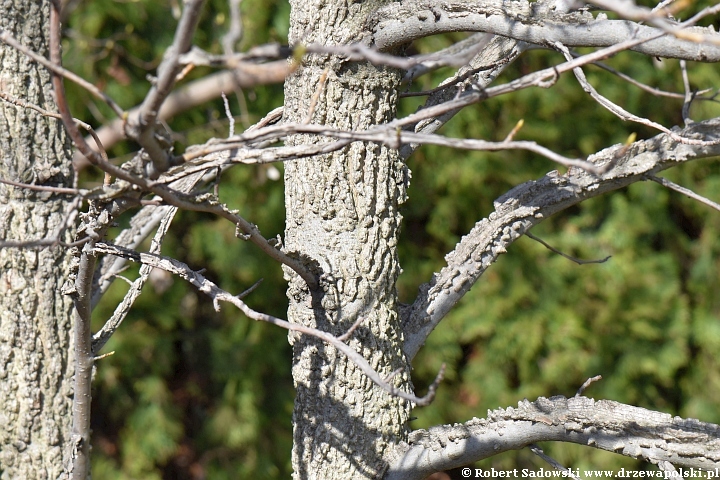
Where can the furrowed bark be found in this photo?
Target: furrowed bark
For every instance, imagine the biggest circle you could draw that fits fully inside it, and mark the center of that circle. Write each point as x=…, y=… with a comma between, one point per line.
x=343, y=222
x=35, y=317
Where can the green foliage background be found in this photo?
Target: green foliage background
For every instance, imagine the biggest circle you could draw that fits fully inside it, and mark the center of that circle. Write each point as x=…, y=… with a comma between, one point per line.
x=191, y=393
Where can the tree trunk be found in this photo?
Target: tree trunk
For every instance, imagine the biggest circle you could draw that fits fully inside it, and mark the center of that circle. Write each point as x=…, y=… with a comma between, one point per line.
x=35, y=374
x=343, y=222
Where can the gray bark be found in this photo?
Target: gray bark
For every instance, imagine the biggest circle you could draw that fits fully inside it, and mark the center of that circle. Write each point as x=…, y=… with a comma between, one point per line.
x=530, y=203
x=343, y=222
x=403, y=22
x=635, y=432
x=35, y=374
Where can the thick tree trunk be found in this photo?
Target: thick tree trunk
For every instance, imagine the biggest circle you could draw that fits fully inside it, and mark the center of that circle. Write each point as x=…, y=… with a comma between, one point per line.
x=35, y=374
x=343, y=221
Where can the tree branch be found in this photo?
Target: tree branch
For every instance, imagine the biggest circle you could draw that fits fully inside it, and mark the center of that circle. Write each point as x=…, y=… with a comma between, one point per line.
x=401, y=23
x=219, y=295
x=143, y=129
x=101, y=337
x=184, y=98
x=541, y=78
x=482, y=70
x=529, y=204
x=606, y=425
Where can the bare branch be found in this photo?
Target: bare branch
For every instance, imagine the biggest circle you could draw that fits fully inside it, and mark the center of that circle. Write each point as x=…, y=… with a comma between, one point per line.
x=122, y=309
x=607, y=425
x=685, y=191
x=539, y=78
x=530, y=203
x=184, y=98
x=141, y=225
x=569, y=257
x=145, y=221
x=57, y=69
x=456, y=55
x=143, y=128
x=612, y=107
x=482, y=70
x=554, y=463
x=219, y=295
x=391, y=136
x=235, y=32
x=658, y=17
x=400, y=23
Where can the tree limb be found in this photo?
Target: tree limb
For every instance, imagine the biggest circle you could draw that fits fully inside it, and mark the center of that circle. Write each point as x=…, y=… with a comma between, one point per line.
x=606, y=425
x=219, y=295
x=143, y=128
x=529, y=204
x=401, y=23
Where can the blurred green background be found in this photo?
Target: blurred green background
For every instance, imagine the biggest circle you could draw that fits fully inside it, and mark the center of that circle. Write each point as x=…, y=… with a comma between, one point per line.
x=193, y=394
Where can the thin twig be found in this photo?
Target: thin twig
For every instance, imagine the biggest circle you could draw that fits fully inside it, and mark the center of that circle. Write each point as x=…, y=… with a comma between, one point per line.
x=587, y=383
x=104, y=355
x=47, y=113
x=43, y=188
x=316, y=96
x=689, y=95
x=618, y=110
x=219, y=295
x=250, y=290
x=680, y=189
x=59, y=70
x=228, y=114
x=554, y=463
x=514, y=131
x=569, y=257
x=353, y=327
x=640, y=85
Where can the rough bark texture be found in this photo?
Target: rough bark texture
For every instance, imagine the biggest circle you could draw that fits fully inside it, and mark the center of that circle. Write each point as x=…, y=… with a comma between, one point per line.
x=343, y=221
x=532, y=22
x=35, y=388
x=635, y=432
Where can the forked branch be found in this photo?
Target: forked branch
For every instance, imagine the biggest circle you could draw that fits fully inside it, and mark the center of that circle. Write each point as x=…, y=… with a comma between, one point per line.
x=218, y=295
x=530, y=203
